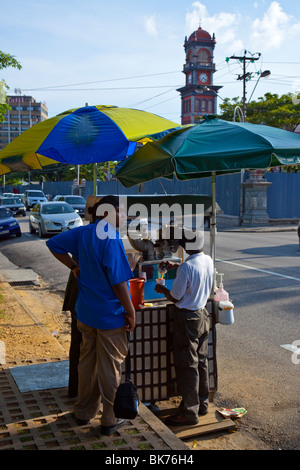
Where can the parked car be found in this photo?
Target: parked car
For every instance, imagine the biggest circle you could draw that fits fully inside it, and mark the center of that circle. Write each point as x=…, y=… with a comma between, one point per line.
x=77, y=202
x=53, y=217
x=7, y=194
x=31, y=197
x=8, y=224
x=14, y=204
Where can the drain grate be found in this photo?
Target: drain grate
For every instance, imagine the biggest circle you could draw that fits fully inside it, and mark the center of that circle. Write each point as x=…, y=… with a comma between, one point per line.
x=23, y=283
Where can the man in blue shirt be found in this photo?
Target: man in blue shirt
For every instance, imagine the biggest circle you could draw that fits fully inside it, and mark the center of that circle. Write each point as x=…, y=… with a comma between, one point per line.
x=104, y=309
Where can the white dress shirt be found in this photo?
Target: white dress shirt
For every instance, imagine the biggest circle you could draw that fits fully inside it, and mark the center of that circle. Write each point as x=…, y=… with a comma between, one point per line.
x=193, y=282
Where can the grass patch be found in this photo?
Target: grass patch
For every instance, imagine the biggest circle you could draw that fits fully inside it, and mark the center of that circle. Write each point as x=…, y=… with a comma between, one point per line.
x=3, y=313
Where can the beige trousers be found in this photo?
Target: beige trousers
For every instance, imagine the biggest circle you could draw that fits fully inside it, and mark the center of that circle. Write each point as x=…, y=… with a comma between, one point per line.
x=99, y=371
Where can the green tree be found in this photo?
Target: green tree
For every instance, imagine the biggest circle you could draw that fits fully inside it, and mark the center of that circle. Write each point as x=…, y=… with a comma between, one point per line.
x=6, y=60
x=271, y=110
x=62, y=172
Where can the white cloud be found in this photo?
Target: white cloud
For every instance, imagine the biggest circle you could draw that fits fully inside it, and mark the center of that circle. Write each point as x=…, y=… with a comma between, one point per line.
x=223, y=24
x=150, y=25
x=274, y=28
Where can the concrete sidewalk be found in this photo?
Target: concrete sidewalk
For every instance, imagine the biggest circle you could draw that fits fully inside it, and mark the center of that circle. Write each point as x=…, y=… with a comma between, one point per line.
x=36, y=411
x=42, y=419
x=258, y=228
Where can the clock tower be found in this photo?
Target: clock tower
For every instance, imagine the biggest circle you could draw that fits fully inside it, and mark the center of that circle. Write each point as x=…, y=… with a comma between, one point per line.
x=199, y=95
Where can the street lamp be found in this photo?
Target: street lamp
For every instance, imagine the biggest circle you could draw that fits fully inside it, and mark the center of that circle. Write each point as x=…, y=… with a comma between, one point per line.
x=263, y=74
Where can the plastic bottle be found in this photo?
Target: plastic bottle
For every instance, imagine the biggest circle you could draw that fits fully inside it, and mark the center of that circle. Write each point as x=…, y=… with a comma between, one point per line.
x=225, y=312
x=221, y=293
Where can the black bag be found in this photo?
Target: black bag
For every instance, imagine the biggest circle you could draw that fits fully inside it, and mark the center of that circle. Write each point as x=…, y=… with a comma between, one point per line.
x=126, y=404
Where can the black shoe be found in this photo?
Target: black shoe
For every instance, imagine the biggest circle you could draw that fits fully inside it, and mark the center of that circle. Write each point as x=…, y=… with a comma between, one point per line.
x=202, y=412
x=108, y=430
x=181, y=420
x=81, y=422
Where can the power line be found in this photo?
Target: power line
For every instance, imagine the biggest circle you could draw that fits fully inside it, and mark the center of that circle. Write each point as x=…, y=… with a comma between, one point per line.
x=282, y=62
x=170, y=99
x=111, y=88
x=101, y=81
x=153, y=97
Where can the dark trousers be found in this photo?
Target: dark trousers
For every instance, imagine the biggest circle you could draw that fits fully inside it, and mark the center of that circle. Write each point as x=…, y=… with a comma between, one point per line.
x=74, y=354
x=190, y=346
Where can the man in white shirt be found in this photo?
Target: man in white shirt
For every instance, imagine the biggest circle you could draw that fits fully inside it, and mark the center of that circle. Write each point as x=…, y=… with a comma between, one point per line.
x=190, y=291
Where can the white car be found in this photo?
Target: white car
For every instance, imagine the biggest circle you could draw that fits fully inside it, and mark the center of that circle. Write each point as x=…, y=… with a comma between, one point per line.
x=31, y=197
x=49, y=218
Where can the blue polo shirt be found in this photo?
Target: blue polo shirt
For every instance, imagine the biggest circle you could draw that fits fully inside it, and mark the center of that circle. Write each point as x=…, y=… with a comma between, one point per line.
x=103, y=263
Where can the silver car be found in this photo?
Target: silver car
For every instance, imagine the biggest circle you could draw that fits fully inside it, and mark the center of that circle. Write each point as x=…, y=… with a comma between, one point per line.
x=49, y=218
x=77, y=202
x=14, y=204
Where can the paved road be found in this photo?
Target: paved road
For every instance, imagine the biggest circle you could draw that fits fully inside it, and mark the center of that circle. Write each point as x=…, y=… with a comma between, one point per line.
x=262, y=275
x=30, y=251
x=257, y=368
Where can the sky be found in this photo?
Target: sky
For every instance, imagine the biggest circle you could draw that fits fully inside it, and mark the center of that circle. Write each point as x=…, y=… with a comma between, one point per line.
x=130, y=53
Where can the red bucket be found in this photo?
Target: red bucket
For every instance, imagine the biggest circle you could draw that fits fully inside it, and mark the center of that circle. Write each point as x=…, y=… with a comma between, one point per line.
x=136, y=286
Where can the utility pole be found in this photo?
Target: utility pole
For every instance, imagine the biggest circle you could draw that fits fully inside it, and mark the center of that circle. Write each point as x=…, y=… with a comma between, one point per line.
x=244, y=59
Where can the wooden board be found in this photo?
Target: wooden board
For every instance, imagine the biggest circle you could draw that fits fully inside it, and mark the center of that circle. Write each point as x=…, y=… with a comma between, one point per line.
x=209, y=423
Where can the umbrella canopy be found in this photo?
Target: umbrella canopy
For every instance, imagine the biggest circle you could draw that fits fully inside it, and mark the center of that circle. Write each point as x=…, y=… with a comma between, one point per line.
x=213, y=146
x=90, y=134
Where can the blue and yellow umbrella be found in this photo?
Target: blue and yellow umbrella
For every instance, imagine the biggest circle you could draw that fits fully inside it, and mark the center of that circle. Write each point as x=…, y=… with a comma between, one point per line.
x=90, y=134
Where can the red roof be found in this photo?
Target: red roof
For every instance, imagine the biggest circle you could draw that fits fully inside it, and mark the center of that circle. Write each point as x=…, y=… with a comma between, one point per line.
x=200, y=35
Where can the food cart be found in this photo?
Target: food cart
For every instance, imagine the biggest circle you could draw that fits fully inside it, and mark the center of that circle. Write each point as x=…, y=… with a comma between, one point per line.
x=152, y=365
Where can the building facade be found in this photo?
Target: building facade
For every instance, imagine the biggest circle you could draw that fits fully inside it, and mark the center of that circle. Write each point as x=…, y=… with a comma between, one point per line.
x=199, y=95
x=25, y=112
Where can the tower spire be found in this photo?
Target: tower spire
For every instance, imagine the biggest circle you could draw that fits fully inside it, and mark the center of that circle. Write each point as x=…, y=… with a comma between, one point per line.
x=199, y=95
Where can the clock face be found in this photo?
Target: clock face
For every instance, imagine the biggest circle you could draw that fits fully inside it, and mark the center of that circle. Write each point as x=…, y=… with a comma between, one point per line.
x=203, y=77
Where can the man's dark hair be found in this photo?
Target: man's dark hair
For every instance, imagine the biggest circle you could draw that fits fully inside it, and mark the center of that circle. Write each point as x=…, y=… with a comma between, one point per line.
x=112, y=200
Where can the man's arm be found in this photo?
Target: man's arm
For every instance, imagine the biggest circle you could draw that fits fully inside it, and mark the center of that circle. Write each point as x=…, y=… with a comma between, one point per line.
x=122, y=293
x=160, y=289
x=168, y=265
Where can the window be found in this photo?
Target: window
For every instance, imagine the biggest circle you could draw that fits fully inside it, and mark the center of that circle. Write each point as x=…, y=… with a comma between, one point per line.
x=210, y=106
x=187, y=106
x=189, y=57
x=203, y=106
x=203, y=57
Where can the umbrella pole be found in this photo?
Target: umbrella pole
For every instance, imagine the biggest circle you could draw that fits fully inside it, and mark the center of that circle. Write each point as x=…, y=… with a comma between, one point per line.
x=95, y=179
x=213, y=223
